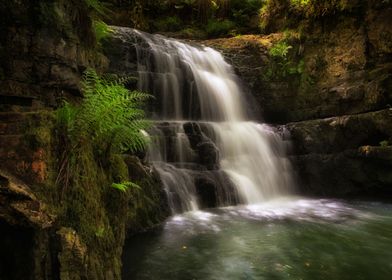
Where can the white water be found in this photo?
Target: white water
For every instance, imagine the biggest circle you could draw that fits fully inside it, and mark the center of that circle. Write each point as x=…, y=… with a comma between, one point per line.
x=195, y=83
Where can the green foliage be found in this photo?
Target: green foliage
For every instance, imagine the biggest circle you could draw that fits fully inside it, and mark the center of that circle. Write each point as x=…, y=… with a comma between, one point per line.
x=284, y=62
x=384, y=143
x=124, y=186
x=172, y=23
x=218, y=28
x=101, y=30
x=99, y=10
x=279, y=14
x=192, y=33
x=109, y=120
x=219, y=16
x=91, y=135
x=317, y=8
x=241, y=11
x=110, y=115
x=280, y=49
x=100, y=232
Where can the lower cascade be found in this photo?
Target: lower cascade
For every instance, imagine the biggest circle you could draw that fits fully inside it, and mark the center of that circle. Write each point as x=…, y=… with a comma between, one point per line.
x=204, y=146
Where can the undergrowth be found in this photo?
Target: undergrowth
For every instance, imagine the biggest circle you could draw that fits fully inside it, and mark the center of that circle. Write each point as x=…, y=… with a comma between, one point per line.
x=92, y=136
x=284, y=61
x=280, y=14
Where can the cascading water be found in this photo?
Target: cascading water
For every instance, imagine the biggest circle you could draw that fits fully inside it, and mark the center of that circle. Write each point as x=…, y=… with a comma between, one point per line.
x=203, y=145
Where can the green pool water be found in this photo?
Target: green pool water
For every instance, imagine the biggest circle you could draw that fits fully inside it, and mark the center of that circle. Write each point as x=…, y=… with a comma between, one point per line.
x=286, y=239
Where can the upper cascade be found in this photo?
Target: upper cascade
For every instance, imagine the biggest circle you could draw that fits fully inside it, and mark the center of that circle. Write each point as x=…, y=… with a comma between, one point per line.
x=203, y=144
x=190, y=82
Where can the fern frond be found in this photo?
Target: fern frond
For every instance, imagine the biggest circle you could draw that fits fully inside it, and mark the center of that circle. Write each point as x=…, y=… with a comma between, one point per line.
x=124, y=186
x=109, y=119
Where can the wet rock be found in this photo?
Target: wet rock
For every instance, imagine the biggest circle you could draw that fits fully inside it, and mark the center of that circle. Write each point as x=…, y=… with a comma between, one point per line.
x=206, y=191
x=195, y=135
x=364, y=172
x=344, y=156
x=208, y=155
x=208, y=152
x=337, y=134
x=215, y=189
x=121, y=51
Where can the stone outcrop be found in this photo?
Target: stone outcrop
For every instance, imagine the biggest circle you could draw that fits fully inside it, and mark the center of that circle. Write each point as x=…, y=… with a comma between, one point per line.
x=344, y=156
x=337, y=134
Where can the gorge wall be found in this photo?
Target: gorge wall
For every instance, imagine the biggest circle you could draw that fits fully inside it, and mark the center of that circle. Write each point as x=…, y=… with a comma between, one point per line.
x=46, y=231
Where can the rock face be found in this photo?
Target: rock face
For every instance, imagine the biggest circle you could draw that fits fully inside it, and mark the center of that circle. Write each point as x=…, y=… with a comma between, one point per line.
x=45, y=46
x=344, y=156
x=25, y=229
x=44, y=49
x=337, y=104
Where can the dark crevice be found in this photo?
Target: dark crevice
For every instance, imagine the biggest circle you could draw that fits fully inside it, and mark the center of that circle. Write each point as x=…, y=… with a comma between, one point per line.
x=16, y=100
x=16, y=254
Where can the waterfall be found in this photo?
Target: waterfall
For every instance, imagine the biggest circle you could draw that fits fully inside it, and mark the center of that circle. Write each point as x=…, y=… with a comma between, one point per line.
x=203, y=145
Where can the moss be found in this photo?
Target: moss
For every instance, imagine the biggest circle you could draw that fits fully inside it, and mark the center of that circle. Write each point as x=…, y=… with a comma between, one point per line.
x=101, y=31
x=38, y=129
x=70, y=19
x=146, y=211
x=119, y=169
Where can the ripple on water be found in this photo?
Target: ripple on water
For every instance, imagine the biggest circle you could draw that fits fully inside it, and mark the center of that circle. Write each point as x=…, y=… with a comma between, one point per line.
x=291, y=238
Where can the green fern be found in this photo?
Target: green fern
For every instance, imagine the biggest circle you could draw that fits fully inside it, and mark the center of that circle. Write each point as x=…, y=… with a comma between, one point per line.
x=111, y=115
x=280, y=49
x=124, y=186
x=108, y=121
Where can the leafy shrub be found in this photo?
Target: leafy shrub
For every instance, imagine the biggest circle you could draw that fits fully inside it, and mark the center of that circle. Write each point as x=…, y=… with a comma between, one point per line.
x=242, y=10
x=219, y=28
x=280, y=49
x=283, y=63
x=172, y=23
